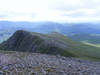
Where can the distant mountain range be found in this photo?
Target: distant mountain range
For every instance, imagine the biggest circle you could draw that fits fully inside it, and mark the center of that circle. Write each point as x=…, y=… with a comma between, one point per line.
x=44, y=27
x=7, y=28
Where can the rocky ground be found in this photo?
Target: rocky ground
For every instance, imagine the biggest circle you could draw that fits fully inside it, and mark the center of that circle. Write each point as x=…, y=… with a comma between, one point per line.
x=15, y=63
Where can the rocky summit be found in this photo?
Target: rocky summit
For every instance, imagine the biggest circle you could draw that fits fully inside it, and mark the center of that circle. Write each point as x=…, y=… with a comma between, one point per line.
x=19, y=63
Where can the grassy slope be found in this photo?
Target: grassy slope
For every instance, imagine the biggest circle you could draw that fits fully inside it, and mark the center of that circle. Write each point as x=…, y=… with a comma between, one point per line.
x=77, y=48
x=88, y=39
x=91, y=44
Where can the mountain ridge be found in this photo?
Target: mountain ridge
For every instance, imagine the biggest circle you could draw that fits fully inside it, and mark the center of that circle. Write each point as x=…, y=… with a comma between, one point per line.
x=52, y=43
x=32, y=42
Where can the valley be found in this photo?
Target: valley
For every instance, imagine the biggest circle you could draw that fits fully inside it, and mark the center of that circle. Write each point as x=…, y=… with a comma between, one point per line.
x=59, y=50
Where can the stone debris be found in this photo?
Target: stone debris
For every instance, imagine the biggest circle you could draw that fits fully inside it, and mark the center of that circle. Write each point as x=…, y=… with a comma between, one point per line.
x=42, y=64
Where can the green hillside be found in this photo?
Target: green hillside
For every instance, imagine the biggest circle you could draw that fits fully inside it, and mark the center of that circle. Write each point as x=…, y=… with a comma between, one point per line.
x=89, y=39
x=77, y=48
x=52, y=43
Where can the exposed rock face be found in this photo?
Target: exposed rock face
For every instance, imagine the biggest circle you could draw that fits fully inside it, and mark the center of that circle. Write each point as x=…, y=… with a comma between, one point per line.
x=33, y=42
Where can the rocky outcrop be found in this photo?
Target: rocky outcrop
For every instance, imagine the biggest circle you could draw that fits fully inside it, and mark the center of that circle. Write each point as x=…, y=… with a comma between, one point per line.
x=18, y=63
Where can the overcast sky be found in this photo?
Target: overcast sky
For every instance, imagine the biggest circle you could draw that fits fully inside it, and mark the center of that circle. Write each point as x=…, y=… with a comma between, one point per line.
x=50, y=10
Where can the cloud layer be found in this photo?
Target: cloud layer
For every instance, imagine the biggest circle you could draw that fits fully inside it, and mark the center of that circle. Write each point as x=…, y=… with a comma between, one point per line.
x=50, y=10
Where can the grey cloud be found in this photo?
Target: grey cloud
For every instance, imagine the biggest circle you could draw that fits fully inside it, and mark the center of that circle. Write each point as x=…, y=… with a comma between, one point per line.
x=65, y=5
x=75, y=15
x=3, y=16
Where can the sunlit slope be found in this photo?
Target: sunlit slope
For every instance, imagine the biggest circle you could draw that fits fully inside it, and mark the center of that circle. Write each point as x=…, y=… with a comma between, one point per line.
x=77, y=48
